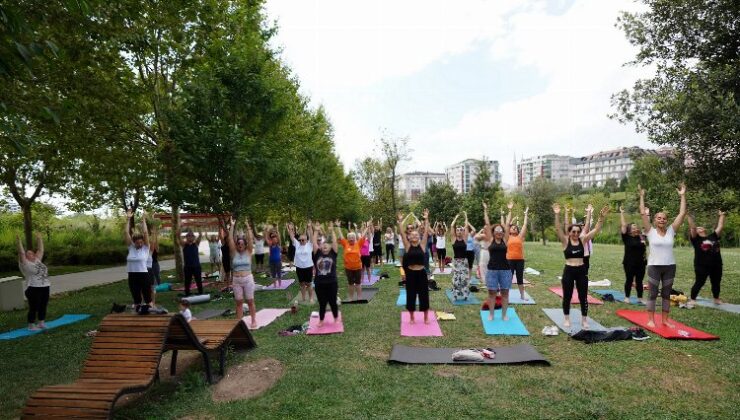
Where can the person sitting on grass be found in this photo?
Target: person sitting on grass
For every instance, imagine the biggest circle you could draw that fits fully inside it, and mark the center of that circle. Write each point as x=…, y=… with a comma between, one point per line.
x=37, y=282
x=325, y=281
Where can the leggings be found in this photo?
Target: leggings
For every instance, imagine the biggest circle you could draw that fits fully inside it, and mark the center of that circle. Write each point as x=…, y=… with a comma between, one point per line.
x=327, y=293
x=575, y=275
x=633, y=273
x=156, y=279
x=390, y=252
x=417, y=285
x=140, y=287
x=714, y=272
x=470, y=255
x=660, y=275
x=193, y=273
x=586, y=265
x=38, y=299
x=441, y=254
x=517, y=268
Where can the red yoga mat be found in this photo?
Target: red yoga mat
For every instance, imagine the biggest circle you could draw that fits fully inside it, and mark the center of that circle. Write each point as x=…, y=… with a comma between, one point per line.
x=679, y=332
x=591, y=300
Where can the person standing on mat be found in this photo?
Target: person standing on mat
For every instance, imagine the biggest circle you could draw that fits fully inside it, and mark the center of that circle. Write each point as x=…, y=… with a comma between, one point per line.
x=225, y=256
x=259, y=251
x=515, y=250
x=214, y=254
x=37, y=282
x=241, y=264
x=192, y=261
x=366, y=254
x=469, y=245
x=574, y=271
x=325, y=281
x=635, y=259
x=304, y=252
x=441, y=245
x=390, y=245
x=352, y=262
x=460, y=290
x=707, y=258
x=138, y=253
x=417, y=283
x=498, y=274
x=151, y=260
x=276, y=261
x=377, y=236
x=483, y=255
x=661, y=268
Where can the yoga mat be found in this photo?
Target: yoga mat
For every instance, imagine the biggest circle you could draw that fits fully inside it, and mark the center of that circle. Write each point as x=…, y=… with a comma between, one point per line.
x=447, y=272
x=164, y=287
x=556, y=315
x=513, y=280
x=709, y=303
x=367, y=295
x=401, y=301
x=210, y=313
x=679, y=332
x=472, y=299
x=474, y=281
x=192, y=286
x=264, y=317
x=63, y=320
x=498, y=326
x=197, y=298
x=330, y=327
x=516, y=299
x=591, y=300
x=520, y=354
x=618, y=296
x=373, y=279
x=284, y=284
x=419, y=328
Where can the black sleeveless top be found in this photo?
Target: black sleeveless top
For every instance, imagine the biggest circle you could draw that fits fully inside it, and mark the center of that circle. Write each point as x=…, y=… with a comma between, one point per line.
x=413, y=256
x=497, y=252
x=574, y=251
x=458, y=248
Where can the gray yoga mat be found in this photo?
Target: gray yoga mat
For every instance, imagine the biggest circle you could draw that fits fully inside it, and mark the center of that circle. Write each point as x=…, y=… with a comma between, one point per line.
x=367, y=295
x=520, y=354
x=556, y=315
x=709, y=303
x=210, y=313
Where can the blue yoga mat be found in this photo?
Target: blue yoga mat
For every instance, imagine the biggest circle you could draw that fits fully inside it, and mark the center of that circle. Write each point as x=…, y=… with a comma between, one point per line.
x=472, y=299
x=618, y=296
x=516, y=299
x=401, y=301
x=164, y=287
x=25, y=332
x=498, y=326
x=709, y=303
x=474, y=281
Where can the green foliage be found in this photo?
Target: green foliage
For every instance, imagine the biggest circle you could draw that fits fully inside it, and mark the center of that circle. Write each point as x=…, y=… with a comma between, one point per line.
x=541, y=194
x=442, y=201
x=482, y=190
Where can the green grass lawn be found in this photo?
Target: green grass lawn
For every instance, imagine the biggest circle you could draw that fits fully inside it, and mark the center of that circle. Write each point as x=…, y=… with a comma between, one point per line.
x=61, y=269
x=347, y=376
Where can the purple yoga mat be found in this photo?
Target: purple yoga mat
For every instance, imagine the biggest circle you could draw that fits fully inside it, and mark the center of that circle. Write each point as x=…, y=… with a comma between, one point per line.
x=329, y=327
x=373, y=279
x=419, y=328
x=284, y=284
x=265, y=317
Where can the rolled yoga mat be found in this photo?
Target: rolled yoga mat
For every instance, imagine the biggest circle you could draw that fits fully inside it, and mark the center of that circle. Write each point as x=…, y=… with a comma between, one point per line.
x=25, y=332
x=556, y=315
x=618, y=296
x=678, y=332
x=197, y=298
x=516, y=299
x=472, y=299
x=401, y=301
x=210, y=313
x=419, y=328
x=367, y=295
x=709, y=303
x=514, y=326
x=574, y=299
x=329, y=327
x=163, y=287
x=264, y=317
x=521, y=354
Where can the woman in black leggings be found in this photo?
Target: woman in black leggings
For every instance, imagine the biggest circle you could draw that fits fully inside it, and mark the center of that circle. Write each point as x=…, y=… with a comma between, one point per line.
x=37, y=282
x=325, y=281
x=634, y=260
x=707, y=258
x=417, y=283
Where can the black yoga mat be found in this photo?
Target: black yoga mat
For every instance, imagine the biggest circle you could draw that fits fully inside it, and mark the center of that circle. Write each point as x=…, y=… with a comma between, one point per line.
x=521, y=354
x=367, y=295
x=210, y=313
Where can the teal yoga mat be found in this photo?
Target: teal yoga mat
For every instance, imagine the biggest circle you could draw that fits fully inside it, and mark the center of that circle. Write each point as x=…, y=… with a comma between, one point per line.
x=618, y=296
x=401, y=301
x=472, y=299
x=164, y=287
x=516, y=299
x=63, y=320
x=514, y=326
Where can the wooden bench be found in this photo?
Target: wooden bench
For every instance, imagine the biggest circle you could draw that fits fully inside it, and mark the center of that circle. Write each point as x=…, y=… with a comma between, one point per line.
x=124, y=358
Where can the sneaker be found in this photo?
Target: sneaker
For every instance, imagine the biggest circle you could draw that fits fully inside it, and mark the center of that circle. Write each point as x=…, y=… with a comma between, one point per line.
x=638, y=334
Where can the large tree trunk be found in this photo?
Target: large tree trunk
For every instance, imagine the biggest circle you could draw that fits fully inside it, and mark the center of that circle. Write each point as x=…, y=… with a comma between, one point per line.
x=27, y=224
x=179, y=273
x=544, y=240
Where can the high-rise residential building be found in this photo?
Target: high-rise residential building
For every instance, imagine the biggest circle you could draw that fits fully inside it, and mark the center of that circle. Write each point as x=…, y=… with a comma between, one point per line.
x=8, y=204
x=594, y=170
x=462, y=174
x=552, y=167
x=411, y=185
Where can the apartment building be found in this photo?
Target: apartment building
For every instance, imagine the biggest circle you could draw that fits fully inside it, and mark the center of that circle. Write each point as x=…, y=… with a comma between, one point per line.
x=593, y=170
x=411, y=185
x=462, y=174
x=552, y=167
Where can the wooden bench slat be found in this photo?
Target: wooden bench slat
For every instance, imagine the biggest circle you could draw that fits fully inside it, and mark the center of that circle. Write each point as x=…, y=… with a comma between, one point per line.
x=132, y=346
x=144, y=371
x=126, y=351
x=59, y=402
x=43, y=394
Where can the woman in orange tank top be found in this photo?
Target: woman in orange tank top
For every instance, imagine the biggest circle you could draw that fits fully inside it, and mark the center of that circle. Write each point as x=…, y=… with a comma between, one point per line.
x=515, y=250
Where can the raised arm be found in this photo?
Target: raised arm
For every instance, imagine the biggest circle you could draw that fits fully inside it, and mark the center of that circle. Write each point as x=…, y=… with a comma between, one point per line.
x=523, y=230
x=232, y=232
x=692, y=226
x=452, y=225
x=127, y=228
x=622, y=220
x=487, y=228
x=339, y=233
x=277, y=233
x=331, y=236
x=291, y=232
x=509, y=206
x=682, y=209
x=644, y=211
x=200, y=236
x=558, y=230
x=720, y=223
x=589, y=217
x=249, y=238
x=400, y=219
x=21, y=250
x=599, y=223
x=144, y=229
x=425, y=236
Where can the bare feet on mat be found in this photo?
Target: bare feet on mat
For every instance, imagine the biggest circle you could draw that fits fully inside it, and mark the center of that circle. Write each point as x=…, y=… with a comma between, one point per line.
x=254, y=324
x=321, y=324
x=718, y=301
x=626, y=300
x=668, y=323
x=426, y=320
x=33, y=327
x=566, y=323
x=584, y=323
x=651, y=324
x=310, y=301
x=42, y=325
x=490, y=317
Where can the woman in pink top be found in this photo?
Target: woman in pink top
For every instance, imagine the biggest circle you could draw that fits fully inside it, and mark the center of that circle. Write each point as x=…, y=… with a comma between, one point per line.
x=365, y=253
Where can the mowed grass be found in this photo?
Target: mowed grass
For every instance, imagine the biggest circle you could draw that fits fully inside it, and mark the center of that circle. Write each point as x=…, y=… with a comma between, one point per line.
x=347, y=376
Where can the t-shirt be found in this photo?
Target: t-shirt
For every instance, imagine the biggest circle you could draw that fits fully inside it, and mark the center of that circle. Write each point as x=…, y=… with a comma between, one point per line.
x=36, y=273
x=326, y=267
x=706, y=250
x=259, y=246
x=515, y=248
x=634, y=249
x=213, y=249
x=497, y=259
x=390, y=239
x=352, y=254
x=661, y=247
x=303, y=254
x=441, y=242
x=377, y=238
x=136, y=259
x=187, y=314
x=190, y=255
x=365, y=249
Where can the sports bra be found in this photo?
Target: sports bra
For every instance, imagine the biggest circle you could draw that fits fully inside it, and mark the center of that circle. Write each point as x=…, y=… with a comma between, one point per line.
x=458, y=248
x=574, y=251
x=242, y=262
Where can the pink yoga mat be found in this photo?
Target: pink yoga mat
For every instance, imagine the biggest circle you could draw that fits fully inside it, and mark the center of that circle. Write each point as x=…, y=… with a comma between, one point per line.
x=329, y=327
x=419, y=328
x=192, y=286
x=265, y=317
x=591, y=300
x=284, y=284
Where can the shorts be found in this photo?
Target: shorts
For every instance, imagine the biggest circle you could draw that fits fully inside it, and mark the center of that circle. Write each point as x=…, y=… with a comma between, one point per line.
x=259, y=258
x=215, y=259
x=366, y=259
x=304, y=274
x=276, y=269
x=243, y=287
x=498, y=280
x=661, y=272
x=441, y=253
x=354, y=276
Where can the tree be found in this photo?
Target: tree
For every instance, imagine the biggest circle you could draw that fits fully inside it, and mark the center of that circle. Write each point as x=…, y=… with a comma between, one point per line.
x=372, y=177
x=394, y=150
x=482, y=190
x=693, y=101
x=541, y=194
x=442, y=201
x=659, y=177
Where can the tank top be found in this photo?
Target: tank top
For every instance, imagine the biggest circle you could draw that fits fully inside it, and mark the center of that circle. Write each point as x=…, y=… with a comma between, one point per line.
x=242, y=262
x=441, y=242
x=275, y=253
x=497, y=259
x=190, y=255
x=458, y=248
x=574, y=251
x=414, y=256
x=470, y=244
x=515, y=249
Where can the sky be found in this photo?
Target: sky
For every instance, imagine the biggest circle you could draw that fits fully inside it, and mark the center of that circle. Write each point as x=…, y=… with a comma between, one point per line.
x=462, y=79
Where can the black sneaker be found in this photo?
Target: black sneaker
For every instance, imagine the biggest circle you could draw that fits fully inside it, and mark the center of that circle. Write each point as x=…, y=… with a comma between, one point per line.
x=638, y=334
